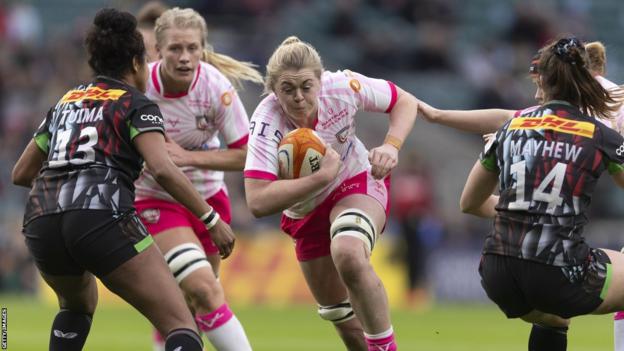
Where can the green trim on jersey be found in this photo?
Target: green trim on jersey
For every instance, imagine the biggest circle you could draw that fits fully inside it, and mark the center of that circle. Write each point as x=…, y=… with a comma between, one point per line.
x=489, y=163
x=43, y=142
x=133, y=131
x=605, y=287
x=613, y=167
x=144, y=244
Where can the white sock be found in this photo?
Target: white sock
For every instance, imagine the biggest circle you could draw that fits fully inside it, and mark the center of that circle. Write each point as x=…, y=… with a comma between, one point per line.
x=618, y=331
x=223, y=330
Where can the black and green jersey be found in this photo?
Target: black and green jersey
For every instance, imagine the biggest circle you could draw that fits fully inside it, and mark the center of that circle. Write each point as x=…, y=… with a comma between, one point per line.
x=92, y=162
x=549, y=159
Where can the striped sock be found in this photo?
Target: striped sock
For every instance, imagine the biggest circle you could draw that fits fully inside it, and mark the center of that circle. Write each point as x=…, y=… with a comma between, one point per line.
x=383, y=341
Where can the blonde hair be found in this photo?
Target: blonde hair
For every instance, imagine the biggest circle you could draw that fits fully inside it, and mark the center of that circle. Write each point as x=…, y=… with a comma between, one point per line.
x=236, y=71
x=597, y=57
x=291, y=54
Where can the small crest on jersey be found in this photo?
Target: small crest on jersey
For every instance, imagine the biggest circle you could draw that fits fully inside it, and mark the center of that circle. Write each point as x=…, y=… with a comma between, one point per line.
x=355, y=85
x=226, y=98
x=342, y=135
x=204, y=122
x=151, y=215
x=552, y=122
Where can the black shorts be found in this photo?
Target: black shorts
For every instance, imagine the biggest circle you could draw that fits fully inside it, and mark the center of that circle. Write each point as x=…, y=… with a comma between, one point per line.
x=98, y=241
x=520, y=286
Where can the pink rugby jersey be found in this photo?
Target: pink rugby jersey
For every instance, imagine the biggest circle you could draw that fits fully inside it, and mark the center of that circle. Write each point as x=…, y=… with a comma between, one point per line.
x=617, y=123
x=342, y=94
x=195, y=120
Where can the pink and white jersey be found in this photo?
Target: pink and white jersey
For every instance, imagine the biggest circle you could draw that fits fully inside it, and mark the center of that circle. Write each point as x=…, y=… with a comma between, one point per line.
x=617, y=123
x=342, y=94
x=195, y=120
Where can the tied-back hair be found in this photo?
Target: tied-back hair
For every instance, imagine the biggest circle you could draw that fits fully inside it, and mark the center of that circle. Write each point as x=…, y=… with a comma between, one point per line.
x=291, y=54
x=149, y=13
x=113, y=42
x=236, y=71
x=565, y=76
x=597, y=57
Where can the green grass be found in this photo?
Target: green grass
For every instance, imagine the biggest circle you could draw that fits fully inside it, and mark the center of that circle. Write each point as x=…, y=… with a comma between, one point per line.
x=442, y=328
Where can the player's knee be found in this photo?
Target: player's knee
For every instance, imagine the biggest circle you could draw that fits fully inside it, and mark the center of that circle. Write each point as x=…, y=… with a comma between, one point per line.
x=338, y=313
x=204, y=294
x=355, y=223
x=185, y=259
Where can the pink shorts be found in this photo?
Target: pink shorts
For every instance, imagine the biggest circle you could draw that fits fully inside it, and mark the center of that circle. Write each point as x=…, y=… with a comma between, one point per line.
x=311, y=233
x=160, y=215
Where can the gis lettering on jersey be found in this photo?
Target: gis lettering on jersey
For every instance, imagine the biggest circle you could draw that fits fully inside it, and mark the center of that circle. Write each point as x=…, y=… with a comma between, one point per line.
x=263, y=130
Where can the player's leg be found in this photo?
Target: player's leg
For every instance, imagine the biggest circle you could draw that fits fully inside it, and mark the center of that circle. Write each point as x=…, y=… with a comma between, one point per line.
x=118, y=249
x=74, y=287
x=549, y=332
x=356, y=221
x=77, y=298
x=192, y=269
x=333, y=299
x=146, y=283
x=612, y=292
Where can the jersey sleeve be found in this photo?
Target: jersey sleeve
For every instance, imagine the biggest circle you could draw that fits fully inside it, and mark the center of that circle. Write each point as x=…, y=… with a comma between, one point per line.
x=146, y=118
x=612, y=147
x=231, y=117
x=370, y=94
x=264, y=138
x=42, y=134
x=488, y=155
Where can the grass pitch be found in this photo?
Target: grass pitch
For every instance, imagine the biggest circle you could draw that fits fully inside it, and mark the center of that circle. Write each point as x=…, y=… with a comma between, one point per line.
x=441, y=328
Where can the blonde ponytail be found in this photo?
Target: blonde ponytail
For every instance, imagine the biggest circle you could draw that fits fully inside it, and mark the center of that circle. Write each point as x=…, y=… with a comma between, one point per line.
x=236, y=71
x=597, y=57
x=291, y=54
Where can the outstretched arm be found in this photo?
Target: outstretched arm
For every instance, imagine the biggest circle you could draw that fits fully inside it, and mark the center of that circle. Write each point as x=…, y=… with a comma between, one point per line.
x=477, y=121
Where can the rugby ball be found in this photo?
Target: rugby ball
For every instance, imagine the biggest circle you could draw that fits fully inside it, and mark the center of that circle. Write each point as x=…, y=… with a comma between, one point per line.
x=299, y=153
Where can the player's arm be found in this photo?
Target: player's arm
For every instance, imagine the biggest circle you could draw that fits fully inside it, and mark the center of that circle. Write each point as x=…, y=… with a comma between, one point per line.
x=402, y=117
x=477, y=121
x=171, y=178
x=231, y=159
x=477, y=198
x=28, y=165
x=266, y=197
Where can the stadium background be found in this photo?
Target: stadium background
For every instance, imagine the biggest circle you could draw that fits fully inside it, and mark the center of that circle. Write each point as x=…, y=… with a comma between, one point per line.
x=450, y=53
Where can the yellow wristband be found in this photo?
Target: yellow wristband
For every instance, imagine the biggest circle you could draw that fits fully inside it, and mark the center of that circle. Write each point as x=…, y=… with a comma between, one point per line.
x=394, y=141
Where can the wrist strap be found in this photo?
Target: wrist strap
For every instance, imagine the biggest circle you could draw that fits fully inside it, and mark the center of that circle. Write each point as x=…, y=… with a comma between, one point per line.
x=210, y=218
x=394, y=141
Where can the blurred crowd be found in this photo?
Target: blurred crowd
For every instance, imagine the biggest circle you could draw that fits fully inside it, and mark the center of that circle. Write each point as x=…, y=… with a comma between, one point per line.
x=451, y=53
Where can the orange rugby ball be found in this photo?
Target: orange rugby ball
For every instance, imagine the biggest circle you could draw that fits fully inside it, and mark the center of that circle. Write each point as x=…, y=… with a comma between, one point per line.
x=300, y=153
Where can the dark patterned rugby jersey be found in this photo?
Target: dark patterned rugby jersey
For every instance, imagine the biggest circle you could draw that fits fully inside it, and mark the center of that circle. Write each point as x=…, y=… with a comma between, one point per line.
x=549, y=159
x=92, y=162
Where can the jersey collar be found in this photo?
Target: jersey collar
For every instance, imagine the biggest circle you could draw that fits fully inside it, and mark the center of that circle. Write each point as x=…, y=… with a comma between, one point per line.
x=157, y=81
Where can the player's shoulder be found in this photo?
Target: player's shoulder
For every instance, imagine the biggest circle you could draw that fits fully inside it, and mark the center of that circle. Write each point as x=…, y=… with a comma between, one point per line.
x=340, y=85
x=209, y=73
x=527, y=112
x=268, y=109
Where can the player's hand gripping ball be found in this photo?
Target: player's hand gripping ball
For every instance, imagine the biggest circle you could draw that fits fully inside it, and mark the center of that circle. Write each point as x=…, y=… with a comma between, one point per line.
x=300, y=153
